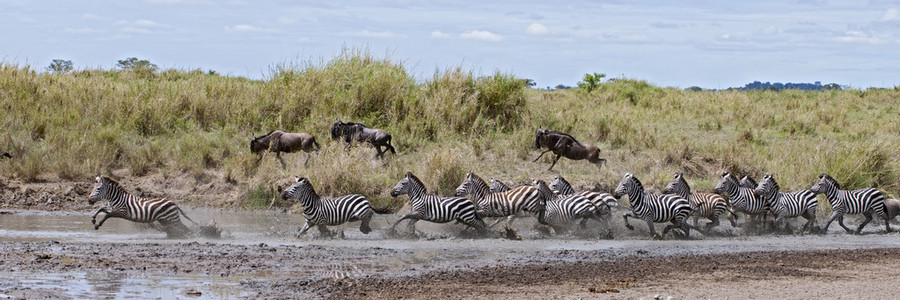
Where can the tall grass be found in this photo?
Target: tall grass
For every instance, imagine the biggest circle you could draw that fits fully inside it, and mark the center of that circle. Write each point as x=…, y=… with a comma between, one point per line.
x=78, y=124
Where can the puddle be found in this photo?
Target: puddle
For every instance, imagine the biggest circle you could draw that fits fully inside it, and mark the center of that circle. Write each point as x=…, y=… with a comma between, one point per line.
x=96, y=285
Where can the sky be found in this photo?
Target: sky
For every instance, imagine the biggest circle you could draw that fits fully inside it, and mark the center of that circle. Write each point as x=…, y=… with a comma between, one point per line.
x=710, y=44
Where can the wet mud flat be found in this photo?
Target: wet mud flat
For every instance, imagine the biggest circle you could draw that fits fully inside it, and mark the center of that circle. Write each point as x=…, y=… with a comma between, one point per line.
x=767, y=267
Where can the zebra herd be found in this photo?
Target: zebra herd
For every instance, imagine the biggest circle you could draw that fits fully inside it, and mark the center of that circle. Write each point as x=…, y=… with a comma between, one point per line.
x=556, y=205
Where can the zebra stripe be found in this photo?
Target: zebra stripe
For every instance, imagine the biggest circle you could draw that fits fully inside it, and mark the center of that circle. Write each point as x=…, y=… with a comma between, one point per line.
x=748, y=182
x=654, y=208
x=862, y=201
x=324, y=212
x=504, y=204
x=705, y=205
x=788, y=205
x=742, y=199
x=433, y=208
x=559, y=210
x=123, y=205
x=604, y=202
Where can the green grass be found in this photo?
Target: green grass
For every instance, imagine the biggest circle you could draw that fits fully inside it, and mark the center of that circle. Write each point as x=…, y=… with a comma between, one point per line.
x=75, y=125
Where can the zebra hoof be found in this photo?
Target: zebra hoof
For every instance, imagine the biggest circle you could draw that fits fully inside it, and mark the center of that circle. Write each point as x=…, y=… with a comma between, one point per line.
x=96, y=227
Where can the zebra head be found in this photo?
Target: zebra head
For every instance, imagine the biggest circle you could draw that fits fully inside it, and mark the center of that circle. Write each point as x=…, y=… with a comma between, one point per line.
x=471, y=185
x=767, y=187
x=726, y=183
x=825, y=184
x=543, y=189
x=300, y=188
x=102, y=189
x=497, y=186
x=404, y=186
x=678, y=186
x=627, y=186
x=560, y=185
x=748, y=182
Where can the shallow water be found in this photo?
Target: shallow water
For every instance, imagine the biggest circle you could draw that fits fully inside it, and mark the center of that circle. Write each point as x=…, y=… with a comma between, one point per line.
x=438, y=246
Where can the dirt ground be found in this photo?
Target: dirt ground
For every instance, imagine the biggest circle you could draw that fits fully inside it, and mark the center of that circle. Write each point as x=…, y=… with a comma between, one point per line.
x=291, y=271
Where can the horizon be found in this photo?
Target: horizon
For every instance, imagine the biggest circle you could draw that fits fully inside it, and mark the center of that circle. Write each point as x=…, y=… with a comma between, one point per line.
x=713, y=46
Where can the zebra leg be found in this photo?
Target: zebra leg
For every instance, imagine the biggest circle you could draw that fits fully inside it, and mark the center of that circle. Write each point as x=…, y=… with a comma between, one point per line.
x=94, y=217
x=495, y=222
x=304, y=229
x=539, y=156
x=834, y=216
x=625, y=216
x=364, y=225
x=841, y=222
x=887, y=225
x=714, y=222
x=652, y=229
x=510, y=219
x=113, y=214
x=404, y=217
x=809, y=222
x=323, y=231
x=866, y=221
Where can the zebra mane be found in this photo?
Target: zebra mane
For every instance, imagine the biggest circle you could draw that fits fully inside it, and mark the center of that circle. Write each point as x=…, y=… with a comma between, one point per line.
x=480, y=182
x=415, y=179
x=679, y=179
x=828, y=178
x=775, y=185
x=113, y=183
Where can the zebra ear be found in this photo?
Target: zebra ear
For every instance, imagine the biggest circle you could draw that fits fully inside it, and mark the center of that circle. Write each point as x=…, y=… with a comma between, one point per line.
x=98, y=179
x=296, y=178
x=408, y=174
x=823, y=175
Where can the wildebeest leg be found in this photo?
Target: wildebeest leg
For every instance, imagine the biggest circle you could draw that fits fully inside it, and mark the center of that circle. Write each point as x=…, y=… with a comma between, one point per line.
x=307, y=159
x=278, y=155
x=304, y=228
x=539, y=156
x=378, y=151
x=554, y=162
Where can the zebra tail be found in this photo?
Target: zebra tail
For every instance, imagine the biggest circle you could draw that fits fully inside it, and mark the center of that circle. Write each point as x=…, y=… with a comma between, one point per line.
x=382, y=211
x=186, y=216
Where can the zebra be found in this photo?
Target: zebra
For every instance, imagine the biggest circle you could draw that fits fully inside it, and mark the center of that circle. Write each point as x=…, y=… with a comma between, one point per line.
x=706, y=205
x=561, y=209
x=126, y=206
x=322, y=212
x=434, y=208
x=748, y=182
x=498, y=186
x=504, y=204
x=654, y=207
x=861, y=201
x=788, y=205
x=604, y=201
x=742, y=199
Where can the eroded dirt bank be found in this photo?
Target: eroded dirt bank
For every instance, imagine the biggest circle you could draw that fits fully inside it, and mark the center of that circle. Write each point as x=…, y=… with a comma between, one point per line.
x=334, y=271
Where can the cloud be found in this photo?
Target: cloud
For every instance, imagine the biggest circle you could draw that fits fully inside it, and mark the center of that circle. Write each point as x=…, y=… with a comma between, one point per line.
x=82, y=30
x=481, y=35
x=892, y=14
x=375, y=34
x=131, y=29
x=439, y=34
x=246, y=28
x=858, y=37
x=286, y=21
x=536, y=29
x=91, y=17
x=147, y=23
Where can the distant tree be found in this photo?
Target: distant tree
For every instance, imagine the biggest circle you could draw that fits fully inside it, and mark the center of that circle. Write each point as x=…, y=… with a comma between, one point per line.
x=832, y=87
x=694, y=89
x=562, y=87
x=60, y=66
x=591, y=81
x=133, y=63
x=529, y=82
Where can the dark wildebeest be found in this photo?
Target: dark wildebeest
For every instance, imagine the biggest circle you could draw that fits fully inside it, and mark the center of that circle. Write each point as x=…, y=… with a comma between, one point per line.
x=563, y=144
x=279, y=141
x=5, y=155
x=356, y=132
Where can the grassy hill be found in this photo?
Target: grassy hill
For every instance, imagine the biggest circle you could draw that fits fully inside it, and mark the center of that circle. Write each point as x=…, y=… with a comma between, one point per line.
x=76, y=125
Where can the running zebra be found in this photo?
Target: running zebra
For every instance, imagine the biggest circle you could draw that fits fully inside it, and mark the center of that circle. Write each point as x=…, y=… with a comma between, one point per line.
x=705, y=205
x=742, y=199
x=861, y=201
x=748, y=182
x=433, y=208
x=498, y=187
x=504, y=204
x=322, y=212
x=654, y=208
x=561, y=210
x=136, y=209
x=788, y=205
x=604, y=202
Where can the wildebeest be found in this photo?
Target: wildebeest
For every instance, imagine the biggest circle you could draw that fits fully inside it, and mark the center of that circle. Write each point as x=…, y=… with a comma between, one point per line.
x=356, y=132
x=563, y=144
x=279, y=141
x=5, y=155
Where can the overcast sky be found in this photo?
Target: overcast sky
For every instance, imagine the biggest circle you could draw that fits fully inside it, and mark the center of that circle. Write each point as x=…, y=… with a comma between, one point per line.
x=712, y=44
